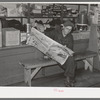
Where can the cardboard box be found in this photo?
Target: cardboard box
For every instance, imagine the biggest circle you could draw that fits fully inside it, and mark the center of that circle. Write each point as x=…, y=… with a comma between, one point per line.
x=23, y=36
x=10, y=37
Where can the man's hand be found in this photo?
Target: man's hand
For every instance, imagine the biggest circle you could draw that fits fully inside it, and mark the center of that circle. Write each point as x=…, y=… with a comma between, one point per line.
x=46, y=57
x=68, y=52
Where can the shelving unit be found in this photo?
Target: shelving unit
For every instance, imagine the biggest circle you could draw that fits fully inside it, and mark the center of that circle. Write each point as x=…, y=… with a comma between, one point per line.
x=60, y=8
x=54, y=12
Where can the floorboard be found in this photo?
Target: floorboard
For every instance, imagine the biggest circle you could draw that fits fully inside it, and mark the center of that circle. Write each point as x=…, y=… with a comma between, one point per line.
x=84, y=78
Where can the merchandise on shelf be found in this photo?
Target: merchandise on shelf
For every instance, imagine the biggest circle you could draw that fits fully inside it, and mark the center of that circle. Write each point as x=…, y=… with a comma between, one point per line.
x=55, y=10
x=3, y=11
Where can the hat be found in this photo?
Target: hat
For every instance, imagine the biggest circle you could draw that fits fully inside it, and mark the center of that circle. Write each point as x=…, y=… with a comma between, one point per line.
x=68, y=23
x=40, y=22
x=36, y=21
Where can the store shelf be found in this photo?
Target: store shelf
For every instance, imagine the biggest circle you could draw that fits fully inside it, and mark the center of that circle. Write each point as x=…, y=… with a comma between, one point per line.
x=29, y=17
x=12, y=17
x=52, y=17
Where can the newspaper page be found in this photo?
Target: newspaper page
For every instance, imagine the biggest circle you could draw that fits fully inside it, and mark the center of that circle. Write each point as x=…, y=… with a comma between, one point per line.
x=48, y=46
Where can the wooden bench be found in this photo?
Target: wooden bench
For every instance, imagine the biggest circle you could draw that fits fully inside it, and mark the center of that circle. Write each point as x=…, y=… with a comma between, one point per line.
x=90, y=52
x=30, y=64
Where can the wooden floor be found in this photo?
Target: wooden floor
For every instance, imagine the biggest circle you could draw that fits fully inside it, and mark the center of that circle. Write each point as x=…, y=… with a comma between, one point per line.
x=84, y=78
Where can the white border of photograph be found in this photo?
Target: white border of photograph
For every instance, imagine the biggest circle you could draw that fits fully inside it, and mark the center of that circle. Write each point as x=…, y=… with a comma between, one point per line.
x=50, y=92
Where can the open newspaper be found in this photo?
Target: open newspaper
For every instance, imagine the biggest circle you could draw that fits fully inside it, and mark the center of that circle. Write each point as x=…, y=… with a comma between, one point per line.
x=48, y=46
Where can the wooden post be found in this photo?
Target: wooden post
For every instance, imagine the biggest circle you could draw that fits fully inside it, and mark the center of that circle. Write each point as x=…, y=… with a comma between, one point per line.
x=93, y=45
x=29, y=76
x=28, y=17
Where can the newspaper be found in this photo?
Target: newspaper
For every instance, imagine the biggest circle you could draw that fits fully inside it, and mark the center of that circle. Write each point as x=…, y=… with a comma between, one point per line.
x=48, y=46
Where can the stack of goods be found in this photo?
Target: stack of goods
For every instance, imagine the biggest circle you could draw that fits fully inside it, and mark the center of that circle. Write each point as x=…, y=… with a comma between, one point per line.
x=56, y=10
x=22, y=9
x=35, y=10
x=51, y=10
x=19, y=10
x=3, y=11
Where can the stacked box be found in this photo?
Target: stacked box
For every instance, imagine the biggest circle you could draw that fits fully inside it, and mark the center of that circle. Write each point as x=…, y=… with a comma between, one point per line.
x=10, y=37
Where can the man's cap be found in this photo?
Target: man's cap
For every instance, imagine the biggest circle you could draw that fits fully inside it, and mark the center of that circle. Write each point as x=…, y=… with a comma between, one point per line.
x=36, y=21
x=68, y=23
x=40, y=22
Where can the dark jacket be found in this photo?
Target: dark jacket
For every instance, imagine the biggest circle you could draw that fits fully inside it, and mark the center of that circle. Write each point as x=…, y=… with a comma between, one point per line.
x=56, y=35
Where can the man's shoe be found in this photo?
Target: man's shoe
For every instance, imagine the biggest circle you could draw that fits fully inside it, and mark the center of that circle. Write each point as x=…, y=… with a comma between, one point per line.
x=69, y=82
x=72, y=80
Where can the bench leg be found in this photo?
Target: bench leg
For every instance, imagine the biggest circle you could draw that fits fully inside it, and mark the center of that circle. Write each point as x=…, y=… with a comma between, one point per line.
x=96, y=62
x=27, y=76
x=35, y=72
x=89, y=64
x=43, y=71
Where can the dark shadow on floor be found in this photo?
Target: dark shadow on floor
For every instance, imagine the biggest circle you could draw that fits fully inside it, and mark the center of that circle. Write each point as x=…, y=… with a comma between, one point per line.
x=84, y=78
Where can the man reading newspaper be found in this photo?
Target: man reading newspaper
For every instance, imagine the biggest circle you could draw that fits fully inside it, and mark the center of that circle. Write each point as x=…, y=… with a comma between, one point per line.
x=59, y=50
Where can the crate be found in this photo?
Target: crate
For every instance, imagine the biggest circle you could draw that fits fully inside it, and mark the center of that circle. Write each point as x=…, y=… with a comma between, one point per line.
x=10, y=37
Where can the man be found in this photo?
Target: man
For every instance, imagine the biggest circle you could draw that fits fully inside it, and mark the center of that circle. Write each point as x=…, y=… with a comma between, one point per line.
x=40, y=26
x=51, y=26
x=63, y=36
